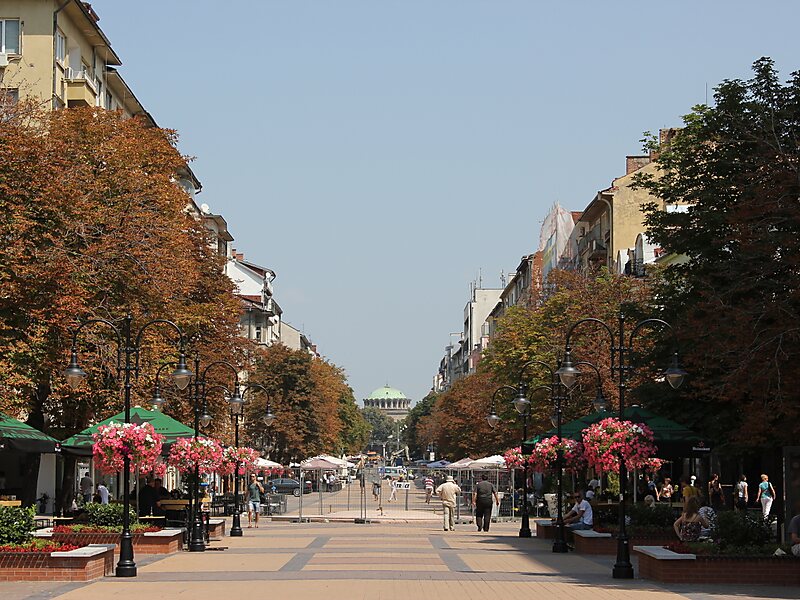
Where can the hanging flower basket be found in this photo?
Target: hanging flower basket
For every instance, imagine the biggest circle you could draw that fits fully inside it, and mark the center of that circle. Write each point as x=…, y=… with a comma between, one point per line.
x=611, y=439
x=544, y=457
x=514, y=458
x=245, y=457
x=652, y=465
x=185, y=453
x=116, y=441
x=157, y=470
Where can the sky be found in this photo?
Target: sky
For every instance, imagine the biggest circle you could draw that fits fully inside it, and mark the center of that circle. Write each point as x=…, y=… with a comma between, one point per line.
x=380, y=155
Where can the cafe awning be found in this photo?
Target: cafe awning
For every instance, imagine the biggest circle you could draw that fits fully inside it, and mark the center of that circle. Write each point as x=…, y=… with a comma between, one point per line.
x=81, y=443
x=672, y=439
x=16, y=435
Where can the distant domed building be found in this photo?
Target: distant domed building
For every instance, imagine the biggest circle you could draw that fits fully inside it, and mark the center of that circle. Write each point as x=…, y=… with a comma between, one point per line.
x=391, y=402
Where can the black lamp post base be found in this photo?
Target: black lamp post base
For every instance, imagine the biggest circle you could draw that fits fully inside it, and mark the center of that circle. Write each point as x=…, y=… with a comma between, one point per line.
x=560, y=547
x=197, y=546
x=525, y=532
x=236, y=526
x=622, y=571
x=125, y=570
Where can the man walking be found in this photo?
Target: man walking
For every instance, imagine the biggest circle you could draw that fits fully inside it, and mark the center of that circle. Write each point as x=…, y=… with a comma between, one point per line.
x=482, y=502
x=254, y=491
x=428, y=489
x=448, y=492
x=86, y=487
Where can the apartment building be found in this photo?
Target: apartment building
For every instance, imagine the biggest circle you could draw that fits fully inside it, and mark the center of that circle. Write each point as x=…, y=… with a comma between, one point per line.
x=462, y=359
x=55, y=52
x=524, y=288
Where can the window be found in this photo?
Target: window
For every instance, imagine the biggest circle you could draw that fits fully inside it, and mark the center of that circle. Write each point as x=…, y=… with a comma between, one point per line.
x=9, y=96
x=61, y=46
x=9, y=36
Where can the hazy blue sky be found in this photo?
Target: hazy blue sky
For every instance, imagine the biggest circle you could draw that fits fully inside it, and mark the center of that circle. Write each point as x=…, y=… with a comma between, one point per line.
x=377, y=154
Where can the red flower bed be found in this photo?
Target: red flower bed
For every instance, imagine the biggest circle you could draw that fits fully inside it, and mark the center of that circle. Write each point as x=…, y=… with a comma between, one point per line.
x=101, y=529
x=33, y=547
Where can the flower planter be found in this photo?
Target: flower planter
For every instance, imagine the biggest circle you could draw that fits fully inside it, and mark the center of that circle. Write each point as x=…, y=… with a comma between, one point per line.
x=660, y=564
x=83, y=564
x=216, y=529
x=546, y=530
x=596, y=542
x=165, y=541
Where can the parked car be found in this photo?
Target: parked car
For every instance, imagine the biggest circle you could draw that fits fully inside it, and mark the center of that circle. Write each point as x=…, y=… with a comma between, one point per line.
x=287, y=486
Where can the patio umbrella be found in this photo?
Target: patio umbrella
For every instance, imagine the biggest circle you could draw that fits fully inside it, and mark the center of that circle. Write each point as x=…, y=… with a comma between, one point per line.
x=439, y=464
x=16, y=435
x=672, y=439
x=490, y=462
x=461, y=464
x=318, y=463
x=263, y=463
x=81, y=443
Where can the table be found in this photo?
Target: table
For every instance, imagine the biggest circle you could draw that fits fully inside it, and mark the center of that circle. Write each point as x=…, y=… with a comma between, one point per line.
x=10, y=502
x=154, y=520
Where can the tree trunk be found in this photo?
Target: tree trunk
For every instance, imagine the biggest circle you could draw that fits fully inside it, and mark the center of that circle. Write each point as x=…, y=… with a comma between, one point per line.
x=31, y=461
x=67, y=492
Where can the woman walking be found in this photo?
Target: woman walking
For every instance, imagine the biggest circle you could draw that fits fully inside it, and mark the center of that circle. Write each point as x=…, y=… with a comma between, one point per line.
x=715, y=496
x=741, y=494
x=766, y=494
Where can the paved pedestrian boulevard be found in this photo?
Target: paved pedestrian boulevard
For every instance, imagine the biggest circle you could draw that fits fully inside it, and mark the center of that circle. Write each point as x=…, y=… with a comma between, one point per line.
x=409, y=561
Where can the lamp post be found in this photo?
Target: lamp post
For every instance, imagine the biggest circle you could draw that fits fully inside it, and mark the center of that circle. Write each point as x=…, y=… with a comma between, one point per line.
x=522, y=406
x=129, y=345
x=559, y=393
x=621, y=365
x=237, y=413
x=202, y=417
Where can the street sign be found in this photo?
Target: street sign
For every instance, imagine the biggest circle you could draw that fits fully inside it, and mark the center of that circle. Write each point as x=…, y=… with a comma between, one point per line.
x=403, y=485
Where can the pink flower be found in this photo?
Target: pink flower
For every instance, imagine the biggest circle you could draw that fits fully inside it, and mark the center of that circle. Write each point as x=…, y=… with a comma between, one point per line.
x=116, y=441
x=185, y=453
x=610, y=440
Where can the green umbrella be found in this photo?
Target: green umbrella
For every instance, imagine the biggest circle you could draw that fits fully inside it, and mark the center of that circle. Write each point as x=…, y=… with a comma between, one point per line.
x=672, y=439
x=81, y=443
x=16, y=435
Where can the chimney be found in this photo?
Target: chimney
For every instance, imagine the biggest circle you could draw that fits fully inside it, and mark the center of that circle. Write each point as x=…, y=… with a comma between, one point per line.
x=634, y=163
x=91, y=12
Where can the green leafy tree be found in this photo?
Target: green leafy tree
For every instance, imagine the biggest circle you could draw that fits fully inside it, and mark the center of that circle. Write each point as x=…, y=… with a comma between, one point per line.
x=381, y=426
x=734, y=292
x=416, y=443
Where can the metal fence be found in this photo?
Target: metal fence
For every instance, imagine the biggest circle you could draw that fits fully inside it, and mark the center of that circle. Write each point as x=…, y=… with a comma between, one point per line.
x=369, y=493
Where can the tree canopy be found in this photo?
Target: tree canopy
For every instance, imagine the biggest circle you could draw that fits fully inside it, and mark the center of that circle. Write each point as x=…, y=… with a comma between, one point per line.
x=734, y=292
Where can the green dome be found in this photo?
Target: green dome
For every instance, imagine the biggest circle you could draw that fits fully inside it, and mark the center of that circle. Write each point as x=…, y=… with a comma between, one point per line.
x=387, y=393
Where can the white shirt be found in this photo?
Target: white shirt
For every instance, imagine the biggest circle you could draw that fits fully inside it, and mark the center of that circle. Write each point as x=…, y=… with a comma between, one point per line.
x=741, y=487
x=588, y=516
x=103, y=491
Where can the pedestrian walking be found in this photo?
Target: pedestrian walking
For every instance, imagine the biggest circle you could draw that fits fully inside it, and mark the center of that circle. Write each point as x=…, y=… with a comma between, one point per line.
x=86, y=486
x=254, y=491
x=376, y=488
x=766, y=494
x=395, y=485
x=102, y=492
x=716, y=497
x=482, y=502
x=448, y=493
x=428, y=489
x=666, y=490
x=741, y=494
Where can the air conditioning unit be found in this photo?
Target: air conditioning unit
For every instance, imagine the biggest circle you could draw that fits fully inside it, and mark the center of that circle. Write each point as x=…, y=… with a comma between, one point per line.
x=3, y=60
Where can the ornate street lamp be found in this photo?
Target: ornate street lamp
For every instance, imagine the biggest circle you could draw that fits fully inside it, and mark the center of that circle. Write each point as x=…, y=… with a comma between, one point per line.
x=621, y=365
x=522, y=406
x=202, y=417
x=130, y=346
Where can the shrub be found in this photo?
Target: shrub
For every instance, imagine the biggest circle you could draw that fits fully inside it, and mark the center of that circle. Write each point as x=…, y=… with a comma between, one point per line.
x=16, y=524
x=107, y=514
x=738, y=529
x=658, y=516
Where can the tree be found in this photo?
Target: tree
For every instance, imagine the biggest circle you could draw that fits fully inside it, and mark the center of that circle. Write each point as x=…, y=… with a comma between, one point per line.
x=417, y=444
x=538, y=334
x=381, y=426
x=314, y=408
x=93, y=225
x=735, y=298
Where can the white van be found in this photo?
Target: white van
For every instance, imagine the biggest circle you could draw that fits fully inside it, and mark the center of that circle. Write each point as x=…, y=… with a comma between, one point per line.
x=392, y=472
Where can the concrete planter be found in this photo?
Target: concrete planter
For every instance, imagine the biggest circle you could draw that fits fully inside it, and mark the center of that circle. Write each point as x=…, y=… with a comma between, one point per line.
x=660, y=564
x=166, y=541
x=216, y=529
x=595, y=542
x=84, y=564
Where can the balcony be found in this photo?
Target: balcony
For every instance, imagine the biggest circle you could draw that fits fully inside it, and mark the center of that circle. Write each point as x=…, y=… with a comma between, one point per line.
x=81, y=88
x=592, y=245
